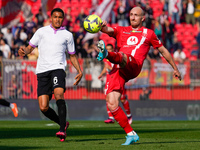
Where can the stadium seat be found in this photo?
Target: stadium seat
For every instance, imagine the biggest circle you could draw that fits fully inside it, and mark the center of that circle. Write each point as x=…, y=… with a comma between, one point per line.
x=194, y=42
x=187, y=53
x=188, y=26
x=188, y=36
x=86, y=11
x=58, y=5
x=180, y=37
x=66, y=3
x=74, y=13
x=178, y=26
x=74, y=2
x=76, y=27
x=193, y=57
x=181, y=30
x=186, y=44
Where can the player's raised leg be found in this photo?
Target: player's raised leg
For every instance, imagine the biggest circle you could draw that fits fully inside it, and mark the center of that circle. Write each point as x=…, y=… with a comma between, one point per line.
x=113, y=57
x=103, y=53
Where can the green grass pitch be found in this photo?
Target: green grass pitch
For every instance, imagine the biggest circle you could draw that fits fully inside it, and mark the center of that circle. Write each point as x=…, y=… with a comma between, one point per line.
x=96, y=135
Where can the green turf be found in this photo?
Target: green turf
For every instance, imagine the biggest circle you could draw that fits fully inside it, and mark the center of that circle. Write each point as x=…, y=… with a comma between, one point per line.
x=95, y=135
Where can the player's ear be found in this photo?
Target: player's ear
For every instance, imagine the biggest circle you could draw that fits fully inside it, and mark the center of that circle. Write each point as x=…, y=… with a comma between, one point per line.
x=143, y=18
x=51, y=18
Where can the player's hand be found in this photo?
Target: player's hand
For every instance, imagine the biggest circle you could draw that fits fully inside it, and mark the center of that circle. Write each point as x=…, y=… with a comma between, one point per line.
x=104, y=23
x=78, y=78
x=177, y=74
x=99, y=77
x=21, y=52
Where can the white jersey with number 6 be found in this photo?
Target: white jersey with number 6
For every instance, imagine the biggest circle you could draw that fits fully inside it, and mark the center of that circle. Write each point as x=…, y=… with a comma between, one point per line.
x=52, y=45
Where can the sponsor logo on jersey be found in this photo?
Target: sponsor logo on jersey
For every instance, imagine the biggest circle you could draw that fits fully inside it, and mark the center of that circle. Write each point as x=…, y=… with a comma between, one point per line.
x=136, y=31
x=132, y=40
x=126, y=32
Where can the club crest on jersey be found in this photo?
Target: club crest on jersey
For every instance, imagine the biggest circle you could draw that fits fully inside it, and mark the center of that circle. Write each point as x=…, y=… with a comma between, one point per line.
x=132, y=40
x=144, y=34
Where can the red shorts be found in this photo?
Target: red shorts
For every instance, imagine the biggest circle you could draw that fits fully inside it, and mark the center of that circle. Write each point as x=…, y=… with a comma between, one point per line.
x=117, y=78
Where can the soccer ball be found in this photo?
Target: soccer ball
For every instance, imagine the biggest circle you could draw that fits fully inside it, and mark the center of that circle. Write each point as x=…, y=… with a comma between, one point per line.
x=92, y=23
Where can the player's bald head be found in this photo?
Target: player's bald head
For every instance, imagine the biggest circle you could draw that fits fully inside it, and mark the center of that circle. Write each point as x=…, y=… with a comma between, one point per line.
x=139, y=10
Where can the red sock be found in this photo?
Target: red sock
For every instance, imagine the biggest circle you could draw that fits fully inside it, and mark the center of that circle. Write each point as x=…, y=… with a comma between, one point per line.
x=126, y=107
x=109, y=113
x=122, y=119
x=114, y=57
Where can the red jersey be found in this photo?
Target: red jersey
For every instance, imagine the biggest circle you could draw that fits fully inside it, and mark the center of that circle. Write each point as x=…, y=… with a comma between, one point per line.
x=135, y=42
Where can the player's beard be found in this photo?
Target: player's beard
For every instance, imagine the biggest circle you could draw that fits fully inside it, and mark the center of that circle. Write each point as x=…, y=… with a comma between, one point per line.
x=135, y=24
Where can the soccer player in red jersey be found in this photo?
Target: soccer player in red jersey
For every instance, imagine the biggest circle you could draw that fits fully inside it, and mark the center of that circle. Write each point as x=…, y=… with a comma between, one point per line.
x=133, y=43
x=107, y=68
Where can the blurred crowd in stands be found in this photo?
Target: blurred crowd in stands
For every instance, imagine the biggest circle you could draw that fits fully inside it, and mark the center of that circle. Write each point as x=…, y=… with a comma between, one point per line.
x=165, y=17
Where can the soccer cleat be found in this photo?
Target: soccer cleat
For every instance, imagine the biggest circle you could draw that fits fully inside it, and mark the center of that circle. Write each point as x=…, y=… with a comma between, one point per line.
x=109, y=120
x=15, y=110
x=103, y=53
x=130, y=120
x=61, y=135
x=67, y=125
x=130, y=139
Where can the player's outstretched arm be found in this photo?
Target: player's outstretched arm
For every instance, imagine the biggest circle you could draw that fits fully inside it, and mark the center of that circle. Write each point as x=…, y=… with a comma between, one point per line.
x=27, y=50
x=106, y=29
x=76, y=65
x=170, y=60
x=102, y=72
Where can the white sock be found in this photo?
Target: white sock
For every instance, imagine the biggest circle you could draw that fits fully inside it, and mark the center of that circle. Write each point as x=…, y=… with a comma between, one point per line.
x=128, y=115
x=111, y=118
x=11, y=105
x=132, y=133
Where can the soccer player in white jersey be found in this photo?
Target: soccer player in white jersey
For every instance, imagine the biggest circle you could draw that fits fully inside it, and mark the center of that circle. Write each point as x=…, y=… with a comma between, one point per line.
x=133, y=43
x=52, y=42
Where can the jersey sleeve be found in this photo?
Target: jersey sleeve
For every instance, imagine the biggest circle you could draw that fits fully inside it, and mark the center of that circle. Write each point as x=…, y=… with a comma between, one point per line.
x=116, y=30
x=155, y=42
x=70, y=45
x=35, y=39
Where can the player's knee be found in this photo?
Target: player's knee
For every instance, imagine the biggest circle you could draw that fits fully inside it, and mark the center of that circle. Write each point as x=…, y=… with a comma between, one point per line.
x=59, y=96
x=124, y=60
x=44, y=108
x=112, y=106
x=123, y=100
